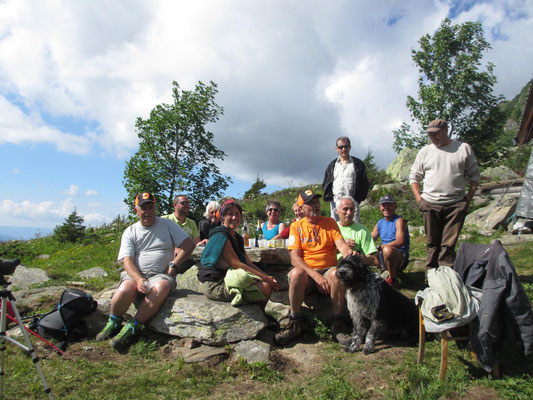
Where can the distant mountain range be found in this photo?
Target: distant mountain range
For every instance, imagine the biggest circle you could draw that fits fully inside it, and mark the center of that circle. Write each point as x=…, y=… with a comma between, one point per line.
x=22, y=232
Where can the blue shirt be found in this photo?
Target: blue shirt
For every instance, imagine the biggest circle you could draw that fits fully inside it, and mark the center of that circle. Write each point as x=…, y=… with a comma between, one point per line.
x=387, y=233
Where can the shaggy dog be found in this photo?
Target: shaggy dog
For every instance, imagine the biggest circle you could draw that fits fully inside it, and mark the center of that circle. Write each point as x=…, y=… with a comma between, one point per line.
x=374, y=305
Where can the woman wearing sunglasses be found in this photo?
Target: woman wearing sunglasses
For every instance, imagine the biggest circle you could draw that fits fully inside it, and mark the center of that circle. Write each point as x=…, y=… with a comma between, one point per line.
x=273, y=227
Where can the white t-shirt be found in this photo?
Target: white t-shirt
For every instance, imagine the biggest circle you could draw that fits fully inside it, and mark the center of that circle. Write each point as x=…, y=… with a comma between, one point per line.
x=151, y=247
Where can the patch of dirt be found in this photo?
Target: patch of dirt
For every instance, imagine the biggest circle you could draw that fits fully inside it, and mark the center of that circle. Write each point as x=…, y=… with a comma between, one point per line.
x=477, y=393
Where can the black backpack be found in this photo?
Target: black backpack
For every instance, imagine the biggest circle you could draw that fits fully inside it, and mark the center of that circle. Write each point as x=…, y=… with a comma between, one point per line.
x=65, y=322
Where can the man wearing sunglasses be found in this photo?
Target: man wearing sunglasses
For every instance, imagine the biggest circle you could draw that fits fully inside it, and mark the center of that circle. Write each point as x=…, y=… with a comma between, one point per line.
x=182, y=206
x=345, y=176
x=313, y=244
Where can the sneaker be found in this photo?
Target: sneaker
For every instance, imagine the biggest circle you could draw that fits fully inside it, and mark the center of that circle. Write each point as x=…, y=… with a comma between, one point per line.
x=338, y=332
x=112, y=327
x=124, y=336
x=290, y=333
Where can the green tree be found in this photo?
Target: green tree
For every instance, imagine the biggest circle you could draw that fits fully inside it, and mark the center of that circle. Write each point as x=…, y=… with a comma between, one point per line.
x=375, y=174
x=255, y=190
x=72, y=230
x=176, y=153
x=455, y=86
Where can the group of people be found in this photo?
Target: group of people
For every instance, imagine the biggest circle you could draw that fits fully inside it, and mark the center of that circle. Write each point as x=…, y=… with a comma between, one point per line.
x=155, y=249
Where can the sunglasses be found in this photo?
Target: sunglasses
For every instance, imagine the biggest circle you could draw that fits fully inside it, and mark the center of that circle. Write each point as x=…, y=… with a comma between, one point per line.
x=183, y=202
x=345, y=146
x=273, y=209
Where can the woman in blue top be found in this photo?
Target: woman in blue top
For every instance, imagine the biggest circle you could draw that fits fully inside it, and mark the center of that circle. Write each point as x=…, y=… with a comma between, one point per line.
x=272, y=228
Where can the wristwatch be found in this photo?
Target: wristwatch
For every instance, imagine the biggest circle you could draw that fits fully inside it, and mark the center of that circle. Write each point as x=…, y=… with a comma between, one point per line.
x=171, y=265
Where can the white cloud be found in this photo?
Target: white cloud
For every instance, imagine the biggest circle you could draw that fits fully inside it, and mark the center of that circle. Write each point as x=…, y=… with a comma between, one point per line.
x=15, y=171
x=72, y=190
x=27, y=210
x=91, y=193
x=95, y=219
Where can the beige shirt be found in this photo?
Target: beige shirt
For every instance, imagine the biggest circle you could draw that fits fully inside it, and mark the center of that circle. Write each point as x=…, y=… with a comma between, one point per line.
x=445, y=171
x=343, y=178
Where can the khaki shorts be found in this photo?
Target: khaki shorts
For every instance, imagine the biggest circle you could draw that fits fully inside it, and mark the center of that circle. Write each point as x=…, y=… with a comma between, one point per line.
x=152, y=277
x=311, y=284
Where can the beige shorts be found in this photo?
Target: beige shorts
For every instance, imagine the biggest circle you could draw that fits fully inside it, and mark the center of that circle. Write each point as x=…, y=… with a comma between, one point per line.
x=152, y=277
x=311, y=284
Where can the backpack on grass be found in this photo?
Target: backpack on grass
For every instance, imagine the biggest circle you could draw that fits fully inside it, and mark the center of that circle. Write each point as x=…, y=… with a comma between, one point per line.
x=65, y=322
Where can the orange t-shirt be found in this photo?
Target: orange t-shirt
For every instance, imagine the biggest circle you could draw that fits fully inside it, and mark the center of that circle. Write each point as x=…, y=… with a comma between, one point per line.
x=321, y=253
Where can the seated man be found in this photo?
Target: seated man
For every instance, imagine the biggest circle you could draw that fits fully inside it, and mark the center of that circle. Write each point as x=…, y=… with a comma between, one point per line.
x=357, y=236
x=298, y=214
x=147, y=248
x=395, y=239
x=313, y=244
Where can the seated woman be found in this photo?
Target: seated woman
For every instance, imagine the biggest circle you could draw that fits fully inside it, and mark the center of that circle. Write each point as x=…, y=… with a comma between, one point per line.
x=212, y=220
x=298, y=214
x=226, y=272
x=272, y=228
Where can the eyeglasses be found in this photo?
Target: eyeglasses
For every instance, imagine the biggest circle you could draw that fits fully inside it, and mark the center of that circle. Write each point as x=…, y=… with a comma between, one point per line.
x=183, y=202
x=273, y=209
x=345, y=146
x=315, y=234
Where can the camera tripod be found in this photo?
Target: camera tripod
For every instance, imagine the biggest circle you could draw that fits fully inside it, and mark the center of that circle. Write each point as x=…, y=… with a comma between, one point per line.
x=6, y=296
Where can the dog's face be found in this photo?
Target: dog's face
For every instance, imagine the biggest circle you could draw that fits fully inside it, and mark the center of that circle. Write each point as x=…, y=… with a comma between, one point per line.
x=352, y=272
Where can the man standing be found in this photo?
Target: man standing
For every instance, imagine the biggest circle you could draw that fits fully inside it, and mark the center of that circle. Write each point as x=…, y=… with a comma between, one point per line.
x=182, y=206
x=147, y=250
x=392, y=229
x=345, y=176
x=445, y=165
x=313, y=244
x=357, y=236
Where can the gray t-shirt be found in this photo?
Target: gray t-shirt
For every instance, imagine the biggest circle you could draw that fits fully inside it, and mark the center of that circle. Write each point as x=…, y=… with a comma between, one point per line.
x=151, y=247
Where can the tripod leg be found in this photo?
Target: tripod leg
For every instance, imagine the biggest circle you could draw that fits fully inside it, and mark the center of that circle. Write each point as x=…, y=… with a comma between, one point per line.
x=31, y=350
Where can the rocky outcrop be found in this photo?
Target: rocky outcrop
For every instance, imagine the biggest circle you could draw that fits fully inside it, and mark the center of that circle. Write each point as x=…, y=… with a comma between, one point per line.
x=494, y=215
x=499, y=173
x=25, y=278
x=400, y=168
x=95, y=272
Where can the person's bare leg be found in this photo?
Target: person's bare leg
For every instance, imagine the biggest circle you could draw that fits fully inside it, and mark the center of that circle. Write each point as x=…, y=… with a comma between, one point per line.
x=123, y=297
x=151, y=303
x=298, y=284
x=393, y=257
x=338, y=293
x=266, y=290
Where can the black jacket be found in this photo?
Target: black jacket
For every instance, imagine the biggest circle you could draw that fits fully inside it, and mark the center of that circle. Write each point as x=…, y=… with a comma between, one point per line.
x=360, y=188
x=505, y=311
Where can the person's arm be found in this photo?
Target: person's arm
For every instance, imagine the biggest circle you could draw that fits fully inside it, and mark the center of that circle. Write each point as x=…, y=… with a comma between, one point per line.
x=231, y=258
x=471, y=190
x=282, y=227
x=375, y=233
x=415, y=187
x=134, y=273
x=321, y=282
x=181, y=254
x=346, y=251
x=196, y=241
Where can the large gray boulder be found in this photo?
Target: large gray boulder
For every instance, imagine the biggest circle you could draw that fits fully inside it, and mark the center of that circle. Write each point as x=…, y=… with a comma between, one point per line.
x=25, y=278
x=400, y=168
x=186, y=314
x=499, y=173
x=494, y=215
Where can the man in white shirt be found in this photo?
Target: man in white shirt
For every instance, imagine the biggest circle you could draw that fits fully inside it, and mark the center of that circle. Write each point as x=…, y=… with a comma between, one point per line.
x=148, y=252
x=445, y=166
x=345, y=176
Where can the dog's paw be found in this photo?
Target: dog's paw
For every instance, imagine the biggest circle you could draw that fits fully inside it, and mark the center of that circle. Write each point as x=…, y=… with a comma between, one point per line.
x=353, y=347
x=369, y=348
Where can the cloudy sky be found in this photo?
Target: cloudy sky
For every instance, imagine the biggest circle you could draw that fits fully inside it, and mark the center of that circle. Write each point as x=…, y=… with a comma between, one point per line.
x=292, y=76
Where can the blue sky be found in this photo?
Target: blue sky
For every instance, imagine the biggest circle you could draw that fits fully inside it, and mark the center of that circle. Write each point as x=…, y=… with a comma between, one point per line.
x=292, y=76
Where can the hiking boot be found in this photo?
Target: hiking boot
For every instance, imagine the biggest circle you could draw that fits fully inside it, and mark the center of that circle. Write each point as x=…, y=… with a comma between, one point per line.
x=293, y=330
x=110, y=330
x=338, y=332
x=124, y=336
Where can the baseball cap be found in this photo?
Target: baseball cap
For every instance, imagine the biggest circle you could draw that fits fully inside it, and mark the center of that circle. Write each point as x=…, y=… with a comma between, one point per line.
x=306, y=196
x=144, y=198
x=437, y=125
x=387, y=199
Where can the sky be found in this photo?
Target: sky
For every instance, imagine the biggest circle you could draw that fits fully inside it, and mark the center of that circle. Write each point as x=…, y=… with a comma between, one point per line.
x=292, y=77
